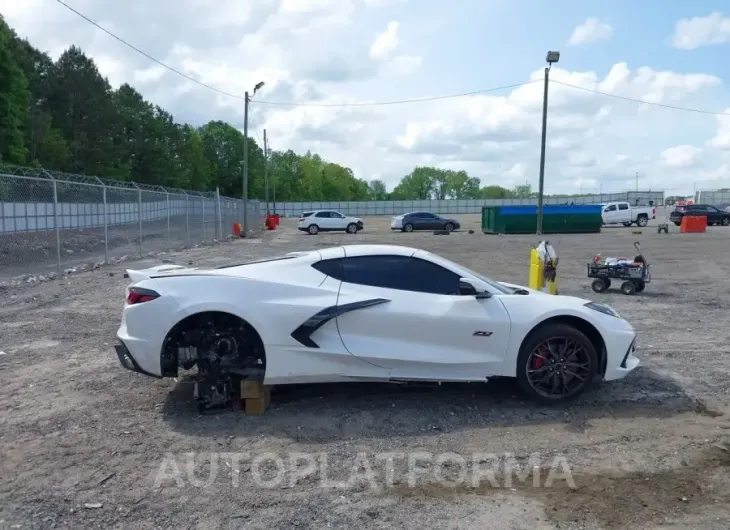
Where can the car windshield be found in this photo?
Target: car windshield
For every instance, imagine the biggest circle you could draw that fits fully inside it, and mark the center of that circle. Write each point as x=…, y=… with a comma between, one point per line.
x=468, y=272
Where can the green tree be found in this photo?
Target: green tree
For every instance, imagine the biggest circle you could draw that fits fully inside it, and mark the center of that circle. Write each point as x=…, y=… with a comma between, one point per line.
x=14, y=99
x=378, y=191
x=419, y=184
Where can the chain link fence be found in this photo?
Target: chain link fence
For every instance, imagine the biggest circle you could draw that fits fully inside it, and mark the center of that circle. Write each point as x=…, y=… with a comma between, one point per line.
x=52, y=221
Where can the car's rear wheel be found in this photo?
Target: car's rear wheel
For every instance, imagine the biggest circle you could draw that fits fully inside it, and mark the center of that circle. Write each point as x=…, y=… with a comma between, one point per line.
x=642, y=221
x=449, y=227
x=351, y=228
x=556, y=364
x=313, y=230
x=726, y=221
x=408, y=227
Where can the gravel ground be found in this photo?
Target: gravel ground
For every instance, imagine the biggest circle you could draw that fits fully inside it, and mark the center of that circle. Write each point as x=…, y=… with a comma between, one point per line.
x=87, y=444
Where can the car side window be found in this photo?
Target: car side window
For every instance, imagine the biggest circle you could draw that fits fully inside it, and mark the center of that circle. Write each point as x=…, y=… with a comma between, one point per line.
x=611, y=208
x=623, y=206
x=331, y=267
x=402, y=273
x=712, y=209
x=322, y=214
x=337, y=215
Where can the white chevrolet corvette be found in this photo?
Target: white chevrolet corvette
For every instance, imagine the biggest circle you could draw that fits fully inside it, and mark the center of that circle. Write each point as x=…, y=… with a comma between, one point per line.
x=365, y=313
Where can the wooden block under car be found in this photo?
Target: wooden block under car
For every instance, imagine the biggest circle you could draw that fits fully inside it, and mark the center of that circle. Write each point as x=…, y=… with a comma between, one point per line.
x=256, y=397
x=251, y=389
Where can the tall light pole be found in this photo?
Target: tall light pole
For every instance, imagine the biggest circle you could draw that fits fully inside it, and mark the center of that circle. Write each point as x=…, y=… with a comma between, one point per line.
x=552, y=57
x=266, y=172
x=247, y=100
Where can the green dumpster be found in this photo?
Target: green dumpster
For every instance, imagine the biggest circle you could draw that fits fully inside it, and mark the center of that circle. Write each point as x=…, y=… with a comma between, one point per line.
x=556, y=219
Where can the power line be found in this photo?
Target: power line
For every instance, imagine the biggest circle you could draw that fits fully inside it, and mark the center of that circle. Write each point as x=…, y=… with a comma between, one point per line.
x=397, y=102
x=178, y=72
x=281, y=103
x=377, y=103
x=635, y=100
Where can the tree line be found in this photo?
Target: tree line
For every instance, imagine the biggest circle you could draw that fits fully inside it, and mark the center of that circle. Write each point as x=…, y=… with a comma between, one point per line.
x=64, y=115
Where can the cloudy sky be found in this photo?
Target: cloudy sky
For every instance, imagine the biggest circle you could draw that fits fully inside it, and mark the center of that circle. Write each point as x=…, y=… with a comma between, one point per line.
x=320, y=53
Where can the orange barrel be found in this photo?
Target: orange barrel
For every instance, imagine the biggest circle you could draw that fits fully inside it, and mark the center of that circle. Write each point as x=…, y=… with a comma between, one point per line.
x=237, y=229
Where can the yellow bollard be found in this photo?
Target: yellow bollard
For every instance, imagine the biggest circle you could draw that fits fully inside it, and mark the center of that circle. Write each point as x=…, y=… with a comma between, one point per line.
x=543, y=268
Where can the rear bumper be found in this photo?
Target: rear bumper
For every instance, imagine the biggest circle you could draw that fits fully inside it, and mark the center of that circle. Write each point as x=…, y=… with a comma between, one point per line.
x=128, y=361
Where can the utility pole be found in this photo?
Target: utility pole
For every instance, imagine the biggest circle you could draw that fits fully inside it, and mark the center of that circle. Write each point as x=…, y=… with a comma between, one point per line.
x=247, y=100
x=266, y=172
x=244, y=232
x=637, y=181
x=552, y=57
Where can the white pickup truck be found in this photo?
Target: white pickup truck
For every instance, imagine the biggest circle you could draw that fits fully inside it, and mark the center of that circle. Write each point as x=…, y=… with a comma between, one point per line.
x=625, y=214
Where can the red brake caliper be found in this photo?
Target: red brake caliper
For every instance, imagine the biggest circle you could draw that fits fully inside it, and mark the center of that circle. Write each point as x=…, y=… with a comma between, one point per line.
x=539, y=362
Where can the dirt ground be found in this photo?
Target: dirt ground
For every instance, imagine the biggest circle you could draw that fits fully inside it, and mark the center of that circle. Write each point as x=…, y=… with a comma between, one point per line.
x=87, y=444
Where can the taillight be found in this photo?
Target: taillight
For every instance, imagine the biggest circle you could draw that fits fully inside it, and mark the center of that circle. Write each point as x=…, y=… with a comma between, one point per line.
x=138, y=295
x=301, y=219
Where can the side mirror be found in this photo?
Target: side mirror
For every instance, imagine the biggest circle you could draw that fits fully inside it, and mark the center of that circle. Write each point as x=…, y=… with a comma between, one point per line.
x=469, y=287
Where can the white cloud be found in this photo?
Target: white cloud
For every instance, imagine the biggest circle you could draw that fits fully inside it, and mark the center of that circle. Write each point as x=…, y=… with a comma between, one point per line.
x=680, y=156
x=721, y=140
x=344, y=51
x=386, y=42
x=591, y=30
x=692, y=33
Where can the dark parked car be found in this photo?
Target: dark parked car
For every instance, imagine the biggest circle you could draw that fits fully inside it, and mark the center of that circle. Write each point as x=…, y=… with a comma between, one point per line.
x=423, y=221
x=714, y=215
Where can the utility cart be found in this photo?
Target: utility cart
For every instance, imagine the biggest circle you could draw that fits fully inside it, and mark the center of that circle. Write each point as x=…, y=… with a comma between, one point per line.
x=634, y=274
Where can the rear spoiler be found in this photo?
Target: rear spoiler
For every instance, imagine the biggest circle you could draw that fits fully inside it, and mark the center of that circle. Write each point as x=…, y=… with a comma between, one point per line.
x=145, y=274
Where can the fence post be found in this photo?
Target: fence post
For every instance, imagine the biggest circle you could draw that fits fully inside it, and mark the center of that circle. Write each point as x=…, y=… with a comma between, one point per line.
x=220, y=213
x=169, y=240
x=106, y=227
x=187, y=222
x=202, y=214
x=139, y=214
x=56, y=224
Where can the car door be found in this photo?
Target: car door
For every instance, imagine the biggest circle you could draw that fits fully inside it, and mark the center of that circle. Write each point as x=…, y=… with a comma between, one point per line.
x=713, y=215
x=623, y=213
x=609, y=214
x=337, y=221
x=419, y=327
x=323, y=220
x=432, y=221
x=696, y=210
x=416, y=219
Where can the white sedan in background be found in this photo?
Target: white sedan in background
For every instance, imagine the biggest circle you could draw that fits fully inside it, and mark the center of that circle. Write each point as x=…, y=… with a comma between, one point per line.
x=365, y=313
x=329, y=221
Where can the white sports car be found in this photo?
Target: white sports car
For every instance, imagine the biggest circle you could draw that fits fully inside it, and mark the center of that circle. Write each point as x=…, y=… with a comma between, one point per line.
x=365, y=313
